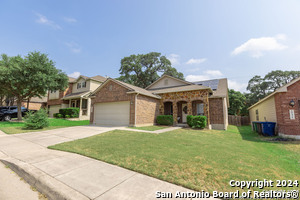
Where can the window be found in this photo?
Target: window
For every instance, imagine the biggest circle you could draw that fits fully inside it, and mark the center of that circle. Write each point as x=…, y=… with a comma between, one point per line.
x=53, y=91
x=200, y=109
x=110, y=87
x=78, y=85
x=84, y=104
x=83, y=84
x=257, y=115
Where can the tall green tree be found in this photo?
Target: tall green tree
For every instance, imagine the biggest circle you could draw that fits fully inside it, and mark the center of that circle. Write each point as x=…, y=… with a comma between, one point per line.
x=260, y=87
x=31, y=76
x=237, y=102
x=142, y=69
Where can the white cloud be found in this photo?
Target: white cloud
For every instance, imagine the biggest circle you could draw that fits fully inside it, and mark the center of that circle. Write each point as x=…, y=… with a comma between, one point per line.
x=74, y=74
x=174, y=59
x=208, y=74
x=43, y=20
x=237, y=86
x=195, y=61
x=74, y=47
x=70, y=20
x=256, y=46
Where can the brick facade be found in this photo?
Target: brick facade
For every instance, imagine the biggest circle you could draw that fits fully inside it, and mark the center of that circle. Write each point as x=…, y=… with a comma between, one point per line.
x=216, y=111
x=286, y=125
x=113, y=92
x=34, y=105
x=147, y=110
x=61, y=95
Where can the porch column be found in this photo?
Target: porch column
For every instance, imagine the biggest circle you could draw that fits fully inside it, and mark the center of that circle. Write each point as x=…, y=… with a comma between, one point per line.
x=70, y=103
x=175, y=112
x=80, y=108
x=189, y=107
x=88, y=106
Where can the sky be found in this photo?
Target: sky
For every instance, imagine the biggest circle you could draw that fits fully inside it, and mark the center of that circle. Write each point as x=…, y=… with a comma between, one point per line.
x=203, y=39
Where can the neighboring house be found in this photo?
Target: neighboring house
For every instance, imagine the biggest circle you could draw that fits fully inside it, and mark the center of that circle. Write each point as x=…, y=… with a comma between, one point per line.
x=35, y=103
x=119, y=103
x=76, y=95
x=282, y=107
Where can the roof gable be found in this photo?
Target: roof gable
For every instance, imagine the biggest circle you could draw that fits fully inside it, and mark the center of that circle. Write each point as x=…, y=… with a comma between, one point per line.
x=131, y=88
x=167, y=81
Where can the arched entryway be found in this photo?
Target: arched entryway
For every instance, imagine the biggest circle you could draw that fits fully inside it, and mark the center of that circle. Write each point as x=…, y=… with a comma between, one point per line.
x=182, y=111
x=168, y=108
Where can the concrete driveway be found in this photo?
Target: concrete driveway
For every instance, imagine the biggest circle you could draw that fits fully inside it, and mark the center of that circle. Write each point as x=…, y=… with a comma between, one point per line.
x=63, y=175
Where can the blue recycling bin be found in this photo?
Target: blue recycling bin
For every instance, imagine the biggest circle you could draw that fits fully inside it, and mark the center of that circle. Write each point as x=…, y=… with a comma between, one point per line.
x=268, y=128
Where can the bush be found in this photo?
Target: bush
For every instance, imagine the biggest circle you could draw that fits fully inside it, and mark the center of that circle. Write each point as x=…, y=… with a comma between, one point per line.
x=59, y=115
x=189, y=120
x=37, y=120
x=73, y=112
x=164, y=119
x=55, y=115
x=67, y=116
x=196, y=121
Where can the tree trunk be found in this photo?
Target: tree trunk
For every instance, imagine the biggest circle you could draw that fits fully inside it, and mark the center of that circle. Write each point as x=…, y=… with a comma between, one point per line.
x=28, y=100
x=19, y=104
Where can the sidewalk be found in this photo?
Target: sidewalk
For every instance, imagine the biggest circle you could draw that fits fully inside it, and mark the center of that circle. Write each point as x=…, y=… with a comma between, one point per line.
x=63, y=175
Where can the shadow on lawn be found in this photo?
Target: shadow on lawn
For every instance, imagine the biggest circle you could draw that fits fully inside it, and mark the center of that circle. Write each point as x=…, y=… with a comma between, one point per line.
x=247, y=134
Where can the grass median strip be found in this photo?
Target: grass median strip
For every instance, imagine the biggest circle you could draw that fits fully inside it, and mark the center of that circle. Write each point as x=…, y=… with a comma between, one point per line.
x=197, y=159
x=18, y=127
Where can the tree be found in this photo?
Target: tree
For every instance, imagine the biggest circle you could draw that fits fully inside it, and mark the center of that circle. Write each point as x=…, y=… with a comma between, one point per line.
x=31, y=76
x=237, y=102
x=261, y=87
x=142, y=69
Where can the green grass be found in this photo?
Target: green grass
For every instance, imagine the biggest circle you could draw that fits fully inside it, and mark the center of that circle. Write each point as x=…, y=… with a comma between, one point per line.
x=18, y=127
x=197, y=159
x=150, y=128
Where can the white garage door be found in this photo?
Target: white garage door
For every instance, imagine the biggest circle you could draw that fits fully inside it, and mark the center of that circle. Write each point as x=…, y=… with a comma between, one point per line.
x=54, y=109
x=115, y=113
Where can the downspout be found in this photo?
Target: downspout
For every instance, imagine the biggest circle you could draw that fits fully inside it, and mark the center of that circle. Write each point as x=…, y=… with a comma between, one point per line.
x=135, y=105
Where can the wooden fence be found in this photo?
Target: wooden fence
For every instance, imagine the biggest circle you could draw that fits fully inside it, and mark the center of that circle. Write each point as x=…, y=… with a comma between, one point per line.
x=238, y=120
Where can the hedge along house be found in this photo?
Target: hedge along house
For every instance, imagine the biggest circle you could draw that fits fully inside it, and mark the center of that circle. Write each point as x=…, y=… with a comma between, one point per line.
x=118, y=103
x=282, y=107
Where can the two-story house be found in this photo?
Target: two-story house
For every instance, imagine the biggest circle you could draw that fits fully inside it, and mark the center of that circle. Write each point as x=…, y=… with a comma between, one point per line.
x=76, y=95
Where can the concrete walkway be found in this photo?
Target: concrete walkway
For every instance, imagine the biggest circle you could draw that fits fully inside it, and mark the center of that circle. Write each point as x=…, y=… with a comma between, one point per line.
x=63, y=175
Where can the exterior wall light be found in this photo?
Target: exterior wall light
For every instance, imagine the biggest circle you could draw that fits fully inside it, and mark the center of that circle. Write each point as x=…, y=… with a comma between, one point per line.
x=292, y=103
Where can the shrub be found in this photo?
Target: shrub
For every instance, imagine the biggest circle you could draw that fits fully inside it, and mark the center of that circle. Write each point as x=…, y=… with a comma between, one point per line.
x=59, y=115
x=164, y=119
x=55, y=115
x=74, y=112
x=189, y=120
x=196, y=121
x=37, y=120
x=67, y=116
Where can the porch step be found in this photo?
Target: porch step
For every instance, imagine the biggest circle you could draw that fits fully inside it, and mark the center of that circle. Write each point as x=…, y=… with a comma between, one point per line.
x=183, y=125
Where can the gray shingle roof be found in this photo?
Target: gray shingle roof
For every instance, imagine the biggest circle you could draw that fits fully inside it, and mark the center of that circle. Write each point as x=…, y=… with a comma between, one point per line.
x=180, y=89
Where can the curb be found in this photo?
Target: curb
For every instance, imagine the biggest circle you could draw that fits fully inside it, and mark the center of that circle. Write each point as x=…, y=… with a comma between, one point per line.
x=52, y=188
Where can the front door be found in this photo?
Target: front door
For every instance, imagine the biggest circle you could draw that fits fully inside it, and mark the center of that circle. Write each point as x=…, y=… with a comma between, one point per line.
x=73, y=103
x=184, y=112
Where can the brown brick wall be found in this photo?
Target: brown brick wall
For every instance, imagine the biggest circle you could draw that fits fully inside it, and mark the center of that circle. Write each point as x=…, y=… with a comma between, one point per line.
x=147, y=110
x=33, y=106
x=113, y=92
x=284, y=123
x=216, y=111
x=61, y=95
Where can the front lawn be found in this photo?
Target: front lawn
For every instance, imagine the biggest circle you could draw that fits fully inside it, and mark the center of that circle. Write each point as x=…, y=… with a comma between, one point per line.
x=18, y=127
x=150, y=128
x=197, y=159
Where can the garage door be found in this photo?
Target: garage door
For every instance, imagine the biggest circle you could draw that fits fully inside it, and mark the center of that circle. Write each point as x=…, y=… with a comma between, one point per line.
x=115, y=113
x=54, y=109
